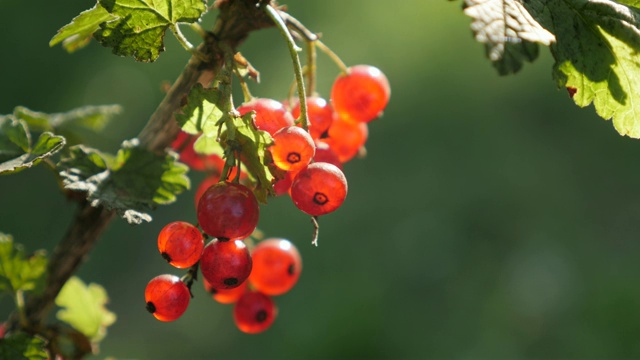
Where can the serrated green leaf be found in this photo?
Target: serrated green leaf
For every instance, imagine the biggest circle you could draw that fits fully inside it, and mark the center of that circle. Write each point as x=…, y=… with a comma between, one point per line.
x=596, y=56
x=16, y=152
x=252, y=144
x=19, y=272
x=84, y=308
x=78, y=33
x=509, y=32
x=202, y=112
x=141, y=25
x=208, y=145
x=21, y=346
x=73, y=125
x=132, y=182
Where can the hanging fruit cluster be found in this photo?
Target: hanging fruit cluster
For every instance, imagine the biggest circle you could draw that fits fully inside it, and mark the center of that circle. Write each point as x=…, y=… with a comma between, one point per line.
x=264, y=147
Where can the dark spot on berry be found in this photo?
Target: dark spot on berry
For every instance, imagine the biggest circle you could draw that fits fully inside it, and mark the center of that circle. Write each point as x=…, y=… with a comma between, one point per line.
x=166, y=257
x=324, y=135
x=293, y=157
x=230, y=281
x=150, y=307
x=261, y=316
x=320, y=198
x=213, y=291
x=291, y=269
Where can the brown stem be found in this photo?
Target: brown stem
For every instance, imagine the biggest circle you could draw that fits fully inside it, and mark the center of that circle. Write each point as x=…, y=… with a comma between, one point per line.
x=236, y=19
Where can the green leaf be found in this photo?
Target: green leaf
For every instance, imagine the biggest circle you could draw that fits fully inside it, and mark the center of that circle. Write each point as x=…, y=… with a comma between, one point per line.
x=132, y=182
x=19, y=272
x=74, y=125
x=78, y=33
x=21, y=346
x=252, y=144
x=509, y=32
x=596, y=56
x=141, y=25
x=202, y=112
x=16, y=151
x=84, y=308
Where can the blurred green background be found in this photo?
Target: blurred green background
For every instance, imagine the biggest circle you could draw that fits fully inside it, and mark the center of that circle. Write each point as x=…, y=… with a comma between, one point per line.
x=492, y=218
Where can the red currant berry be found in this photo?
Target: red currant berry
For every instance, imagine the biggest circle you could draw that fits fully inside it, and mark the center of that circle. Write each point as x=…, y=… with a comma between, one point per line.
x=320, y=115
x=319, y=189
x=361, y=94
x=225, y=264
x=228, y=211
x=283, y=185
x=324, y=153
x=167, y=297
x=346, y=138
x=225, y=296
x=254, y=312
x=292, y=149
x=271, y=115
x=181, y=244
x=276, y=266
x=204, y=186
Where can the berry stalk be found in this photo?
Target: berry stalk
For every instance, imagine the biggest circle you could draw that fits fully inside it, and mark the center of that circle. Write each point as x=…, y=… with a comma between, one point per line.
x=297, y=68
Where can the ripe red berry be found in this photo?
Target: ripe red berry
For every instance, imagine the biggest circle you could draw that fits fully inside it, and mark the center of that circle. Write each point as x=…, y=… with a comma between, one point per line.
x=271, y=115
x=167, y=297
x=324, y=153
x=319, y=189
x=228, y=211
x=181, y=244
x=346, y=138
x=225, y=264
x=276, y=266
x=292, y=149
x=320, y=115
x=361, y=94
x=254, y=312
x=225, y=296
x=283, y=185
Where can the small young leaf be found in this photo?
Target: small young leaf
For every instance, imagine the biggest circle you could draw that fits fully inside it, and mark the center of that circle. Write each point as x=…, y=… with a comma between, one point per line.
x=202, y=111
x=141, y=25
x=21, y=346
x=596, y=56
x=17, y=271
x=16, y=152
x=84, y=308
x=508, y=30
x=252, y=144
x=78, y=33
x=132, y=182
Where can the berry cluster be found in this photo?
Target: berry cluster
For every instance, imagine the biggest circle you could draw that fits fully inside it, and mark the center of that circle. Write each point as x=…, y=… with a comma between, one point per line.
x=308, y=142
x=230, y=272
